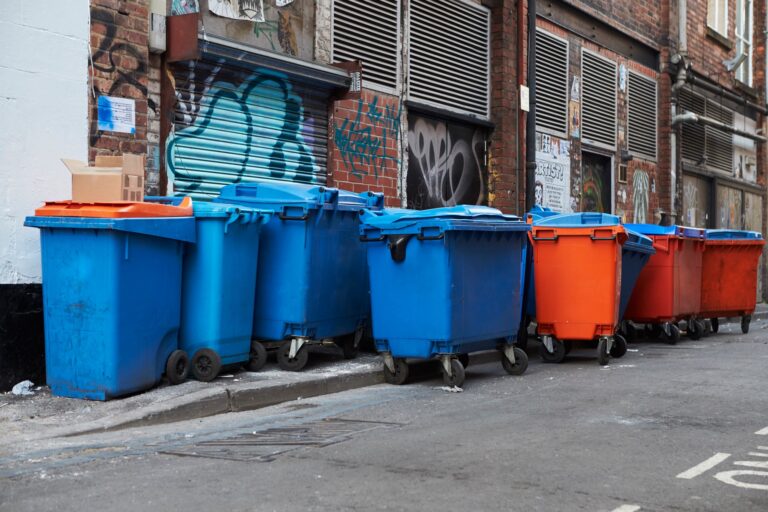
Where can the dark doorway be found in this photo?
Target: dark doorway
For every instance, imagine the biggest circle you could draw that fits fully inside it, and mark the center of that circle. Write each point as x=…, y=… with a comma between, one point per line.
x=596, y=186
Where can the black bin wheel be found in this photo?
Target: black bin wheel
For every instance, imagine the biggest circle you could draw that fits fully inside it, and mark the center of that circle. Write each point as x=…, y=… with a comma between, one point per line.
x=258, y=357
x=457, y=377
x=347, y=345
x=520, y=364
x=399, y=376
x=463, y=359
x=695, y=329
x=674, y=335
x=206, y=365
x=294, y=364
x=745, y=321
x=177, y=367
x=557, y=356
x=602, y=352
x=619, y=347
x=715, y=322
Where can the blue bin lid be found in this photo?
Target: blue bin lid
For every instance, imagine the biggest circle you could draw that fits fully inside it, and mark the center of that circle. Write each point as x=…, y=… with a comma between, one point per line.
x=454, y=218
x=578, y=220
x=733, y=234
x=174, y=228
x=209, y=209
x=280, y=194
x=538, y=211
x=654, y=230
x=638, y=243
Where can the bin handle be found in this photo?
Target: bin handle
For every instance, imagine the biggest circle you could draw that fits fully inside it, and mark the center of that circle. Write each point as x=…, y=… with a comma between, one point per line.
x=283, y=216
x=596, y=235
x=545, y=238
x=397, y=246
x=421, y=236
x=364, y=237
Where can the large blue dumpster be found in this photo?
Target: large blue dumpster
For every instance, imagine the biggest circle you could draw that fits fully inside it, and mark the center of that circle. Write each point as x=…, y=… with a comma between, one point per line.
x=635, y=253
x=218, y=286
x=445, y=282
x=112, y=290
x=313, y=283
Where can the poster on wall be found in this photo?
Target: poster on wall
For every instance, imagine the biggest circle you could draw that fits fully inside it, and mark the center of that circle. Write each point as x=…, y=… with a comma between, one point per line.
x=553, y=173
x=116, y=114
x=248, y=10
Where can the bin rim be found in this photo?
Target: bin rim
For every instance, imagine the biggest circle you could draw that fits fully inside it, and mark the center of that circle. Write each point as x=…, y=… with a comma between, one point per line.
x=174, y=228
x=733, y=234
x=578, y=220
x=307, y=196
x=115, y=209
x=210, y=209
x=679, y=231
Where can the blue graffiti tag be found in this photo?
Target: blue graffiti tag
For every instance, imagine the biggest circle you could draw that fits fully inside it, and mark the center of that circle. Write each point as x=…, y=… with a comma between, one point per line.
x=230, y=128
x=364, y=144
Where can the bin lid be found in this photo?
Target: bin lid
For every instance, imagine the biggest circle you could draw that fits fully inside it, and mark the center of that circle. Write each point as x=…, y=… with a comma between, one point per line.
x=579, y=220
x=454, y=218
x=654, y=230
x=733, y=234
x=278, y=194
x=638, y=243
x=538, y=212
x=115, y=210
x=175, y=228
x=209, y=209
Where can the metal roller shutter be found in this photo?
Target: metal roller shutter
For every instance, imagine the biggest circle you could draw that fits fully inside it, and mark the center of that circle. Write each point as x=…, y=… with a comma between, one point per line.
x=237, y=121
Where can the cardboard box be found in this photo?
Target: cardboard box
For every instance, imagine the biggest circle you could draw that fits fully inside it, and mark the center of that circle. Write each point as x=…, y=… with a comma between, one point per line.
x=113, y=178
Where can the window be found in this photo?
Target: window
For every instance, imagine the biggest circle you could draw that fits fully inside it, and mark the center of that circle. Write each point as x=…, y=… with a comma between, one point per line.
x=717, y=16
x=642, y=116
x=598, y=102
x=551, y=83
x=744, y=40
x=369, y=30
x=449, y=55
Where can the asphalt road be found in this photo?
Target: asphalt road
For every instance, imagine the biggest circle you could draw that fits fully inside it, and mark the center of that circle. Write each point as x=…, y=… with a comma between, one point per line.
x=666, y=428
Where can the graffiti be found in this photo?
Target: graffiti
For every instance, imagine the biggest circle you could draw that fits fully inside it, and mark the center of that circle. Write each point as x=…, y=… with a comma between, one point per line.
x=363, y=141
x=179, y=7
x=553, y=172
x=640, y=188
x=279, y=32
x=596, y=183
x=127, y=75
x=446, y=164
x=248, y=10
x=234, y=124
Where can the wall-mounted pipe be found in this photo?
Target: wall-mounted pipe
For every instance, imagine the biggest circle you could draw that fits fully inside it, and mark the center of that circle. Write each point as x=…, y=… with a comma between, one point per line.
x=725, y=93
x=691, y=118
x=530, y=128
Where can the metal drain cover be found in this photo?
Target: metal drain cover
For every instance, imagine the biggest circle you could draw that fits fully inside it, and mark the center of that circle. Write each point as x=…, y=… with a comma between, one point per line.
x=266, y=445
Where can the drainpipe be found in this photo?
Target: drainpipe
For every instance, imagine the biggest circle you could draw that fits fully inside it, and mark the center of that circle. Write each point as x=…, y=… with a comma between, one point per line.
x=690, y=117
x=521, y=119
x=530, y=130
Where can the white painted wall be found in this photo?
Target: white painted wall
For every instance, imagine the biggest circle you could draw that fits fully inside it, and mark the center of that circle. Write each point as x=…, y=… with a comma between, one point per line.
x=43, y=117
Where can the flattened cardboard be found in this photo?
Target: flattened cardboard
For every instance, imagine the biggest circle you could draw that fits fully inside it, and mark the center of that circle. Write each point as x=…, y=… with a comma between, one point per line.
x=113, y=178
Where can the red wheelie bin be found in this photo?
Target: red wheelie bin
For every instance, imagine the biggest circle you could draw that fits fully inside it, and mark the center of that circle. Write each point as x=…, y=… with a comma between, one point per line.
x=729, y=275
x=668, y=290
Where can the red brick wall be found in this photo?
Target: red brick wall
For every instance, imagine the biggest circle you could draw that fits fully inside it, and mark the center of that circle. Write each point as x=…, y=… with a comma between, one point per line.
x=364, y=145
x=119, y=48
x=642, y=19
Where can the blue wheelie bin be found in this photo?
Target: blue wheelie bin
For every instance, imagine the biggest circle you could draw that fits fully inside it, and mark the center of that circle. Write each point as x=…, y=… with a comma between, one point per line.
x=112, y=294
x=635, y=253
x=218, y=286
x=313, y=284
x=445, y=282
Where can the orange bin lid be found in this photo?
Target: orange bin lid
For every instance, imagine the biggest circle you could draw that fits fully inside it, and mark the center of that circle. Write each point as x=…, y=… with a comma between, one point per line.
x=114, y=210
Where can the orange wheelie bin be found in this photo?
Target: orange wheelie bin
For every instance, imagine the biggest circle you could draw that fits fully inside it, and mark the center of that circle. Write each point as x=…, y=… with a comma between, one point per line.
x=729, y=275
x=669, y=287
x=577, y=275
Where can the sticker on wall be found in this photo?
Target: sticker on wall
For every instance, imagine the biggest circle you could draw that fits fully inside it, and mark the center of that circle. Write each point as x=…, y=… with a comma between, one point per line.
x=574, y=119
x=179, y=7
x=117, y=114
x=553, y=173
x=248, y=10
x=576, y=89
x=623, y=77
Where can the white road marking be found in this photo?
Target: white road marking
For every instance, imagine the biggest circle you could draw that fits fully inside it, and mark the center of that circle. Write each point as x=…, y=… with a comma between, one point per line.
x=705, y=466
x=762, y=447
x=752, y=464
x=758, y=454
x=762, y=432
x=627, y=508
x=728, y=477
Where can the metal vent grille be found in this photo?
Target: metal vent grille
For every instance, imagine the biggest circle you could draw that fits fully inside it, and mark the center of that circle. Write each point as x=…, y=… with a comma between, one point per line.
x=368, y=30
x=700, y=141
x=598, y=104
x=551, y=82
x=449, y=55
x=719, y=143
x=641, y=135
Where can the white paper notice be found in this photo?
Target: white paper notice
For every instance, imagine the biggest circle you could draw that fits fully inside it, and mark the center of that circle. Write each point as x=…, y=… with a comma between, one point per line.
x=117, y=114
x=553, y=173
x=248, y=10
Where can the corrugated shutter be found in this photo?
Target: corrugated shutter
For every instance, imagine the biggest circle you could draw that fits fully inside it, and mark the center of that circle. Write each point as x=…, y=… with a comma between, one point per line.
x=449, y=55
x=238, y=122
x=368, y=30
x=598, y=109
x=705, y=141
x=719, y=143
x=641, y=135
x=551, y=82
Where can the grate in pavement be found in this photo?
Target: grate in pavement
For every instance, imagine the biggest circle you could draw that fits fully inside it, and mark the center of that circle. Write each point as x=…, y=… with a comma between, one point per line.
x=266, y=445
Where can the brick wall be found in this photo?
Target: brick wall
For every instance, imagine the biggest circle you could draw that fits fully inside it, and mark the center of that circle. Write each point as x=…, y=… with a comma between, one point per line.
x=642, y=20
x=119, y=49
x=364, y=150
